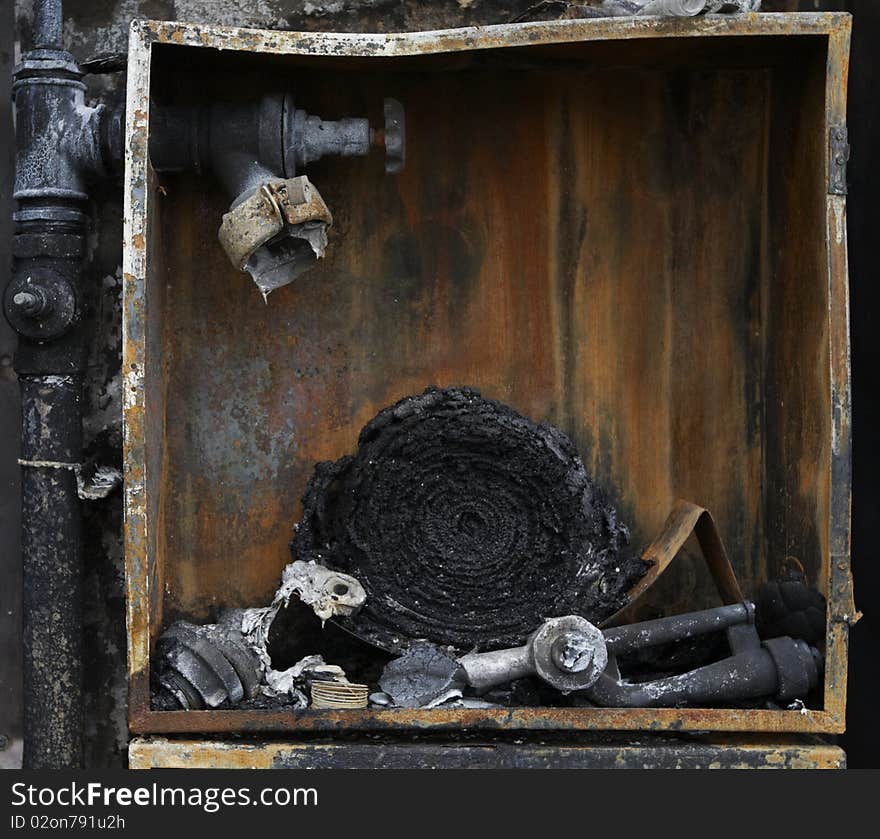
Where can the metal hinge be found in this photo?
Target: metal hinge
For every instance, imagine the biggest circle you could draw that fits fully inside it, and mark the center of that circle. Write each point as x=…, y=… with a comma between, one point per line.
x=838, y=156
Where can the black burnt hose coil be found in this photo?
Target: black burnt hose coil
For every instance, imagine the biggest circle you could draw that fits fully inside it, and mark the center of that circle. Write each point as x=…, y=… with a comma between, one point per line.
x=467, y=524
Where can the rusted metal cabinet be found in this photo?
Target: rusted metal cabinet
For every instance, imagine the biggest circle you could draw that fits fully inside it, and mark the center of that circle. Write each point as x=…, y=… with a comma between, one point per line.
x=634, y=229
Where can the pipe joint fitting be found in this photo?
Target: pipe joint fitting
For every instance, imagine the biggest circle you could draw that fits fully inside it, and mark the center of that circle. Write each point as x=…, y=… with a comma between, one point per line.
x=40, y=304
x=62, y=142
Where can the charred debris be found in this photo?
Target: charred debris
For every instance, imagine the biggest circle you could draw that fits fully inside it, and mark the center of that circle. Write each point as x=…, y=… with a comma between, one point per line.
x=463, y=558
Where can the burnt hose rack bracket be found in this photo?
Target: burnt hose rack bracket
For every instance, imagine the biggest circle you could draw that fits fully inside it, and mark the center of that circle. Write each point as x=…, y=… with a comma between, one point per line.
x=276, y=226
x=570, y=654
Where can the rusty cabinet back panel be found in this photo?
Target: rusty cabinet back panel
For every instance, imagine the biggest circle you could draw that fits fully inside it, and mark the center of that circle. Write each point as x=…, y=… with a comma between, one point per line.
x=623, y=227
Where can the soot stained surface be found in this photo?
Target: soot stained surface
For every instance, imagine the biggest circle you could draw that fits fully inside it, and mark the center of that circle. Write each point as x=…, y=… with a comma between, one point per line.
x=467, y=524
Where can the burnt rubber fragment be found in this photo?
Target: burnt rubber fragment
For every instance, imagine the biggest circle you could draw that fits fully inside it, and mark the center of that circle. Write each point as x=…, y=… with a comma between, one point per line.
x=467, y=524
x=422, y=675
x=203, y=666
x=789, y=605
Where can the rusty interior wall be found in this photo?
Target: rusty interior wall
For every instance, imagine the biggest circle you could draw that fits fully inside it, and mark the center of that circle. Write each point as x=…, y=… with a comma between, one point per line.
x=622, y=272
x=797, y=462
x=101, y=26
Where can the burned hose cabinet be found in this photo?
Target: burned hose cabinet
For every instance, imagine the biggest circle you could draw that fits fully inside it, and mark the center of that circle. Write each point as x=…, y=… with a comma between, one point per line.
x=276, y=226
x=539, y=247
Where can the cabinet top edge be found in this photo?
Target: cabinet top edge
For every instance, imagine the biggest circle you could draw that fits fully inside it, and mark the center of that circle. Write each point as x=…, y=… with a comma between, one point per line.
x=403, y=44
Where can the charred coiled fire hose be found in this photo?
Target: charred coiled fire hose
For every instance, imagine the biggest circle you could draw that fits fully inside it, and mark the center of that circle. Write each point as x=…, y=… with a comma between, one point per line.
x=467, y=524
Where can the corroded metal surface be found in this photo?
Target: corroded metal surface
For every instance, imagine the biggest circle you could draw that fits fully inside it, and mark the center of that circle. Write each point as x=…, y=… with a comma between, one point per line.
x=141, y=563
x=538, y=719
x=647, y=753
x=842, y=611
x=765, y=443
x=483, y=37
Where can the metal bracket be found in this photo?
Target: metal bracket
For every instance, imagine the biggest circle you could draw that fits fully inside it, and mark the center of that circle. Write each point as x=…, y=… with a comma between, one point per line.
x=838, y=149
x=685, y=519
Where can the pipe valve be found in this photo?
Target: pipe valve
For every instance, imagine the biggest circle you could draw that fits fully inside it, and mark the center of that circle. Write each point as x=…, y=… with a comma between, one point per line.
x=277, y=223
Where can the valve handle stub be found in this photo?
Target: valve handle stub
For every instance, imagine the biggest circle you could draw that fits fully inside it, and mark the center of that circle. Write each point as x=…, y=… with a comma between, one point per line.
x=40, y=304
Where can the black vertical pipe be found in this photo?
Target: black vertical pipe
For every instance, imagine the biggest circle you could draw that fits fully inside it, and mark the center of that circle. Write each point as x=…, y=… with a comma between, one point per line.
x=47, y=24
x=59, y=144
x=50, y=374
x=52, y=571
